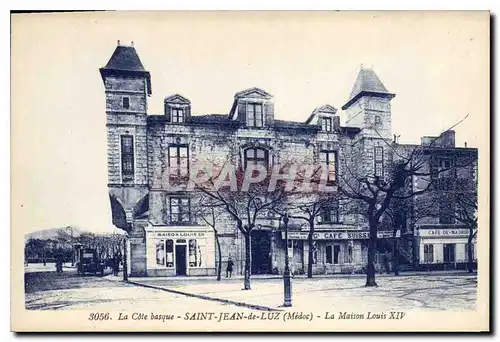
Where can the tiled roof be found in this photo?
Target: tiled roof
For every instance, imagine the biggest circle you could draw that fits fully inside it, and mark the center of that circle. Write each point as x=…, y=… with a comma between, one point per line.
x=210, y=119
x=125, y=58
x=293, y=125
x=367, y=83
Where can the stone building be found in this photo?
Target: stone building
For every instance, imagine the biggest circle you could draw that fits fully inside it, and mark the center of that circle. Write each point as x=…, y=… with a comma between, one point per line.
x=166, y=236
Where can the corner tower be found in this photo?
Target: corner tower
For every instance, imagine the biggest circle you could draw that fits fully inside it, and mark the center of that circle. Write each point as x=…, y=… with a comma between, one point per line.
x=127, y=87
x=369, y=106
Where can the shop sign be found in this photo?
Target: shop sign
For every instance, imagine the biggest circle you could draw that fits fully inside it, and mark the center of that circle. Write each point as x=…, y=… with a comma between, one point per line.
x=362, y=235
x=175, y=235
x=443, y=232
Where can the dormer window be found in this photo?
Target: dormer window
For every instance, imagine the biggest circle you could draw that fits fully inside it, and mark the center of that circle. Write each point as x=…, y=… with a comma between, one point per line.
x=126, y=102
x=177, y=115
x=255, y=116
x=326, y=124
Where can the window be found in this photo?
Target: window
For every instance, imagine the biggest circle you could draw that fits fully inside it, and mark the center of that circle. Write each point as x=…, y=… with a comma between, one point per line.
x=329, y=254
x=449, y=252
x=329, y=159
x=377, y=120
x=160, y=253
x=127, y=155
x=180, y=210
x=177, y=115
x=170, y=253
x=446, y=214
x=255, y=117
x=333, y=254
x=194, y=254
x=330, y=214
x=336, y=254
x=178, y=160
x=126, y=102
x=256, y=156
x=379, y=161
x=326, y=124
x=428, y=254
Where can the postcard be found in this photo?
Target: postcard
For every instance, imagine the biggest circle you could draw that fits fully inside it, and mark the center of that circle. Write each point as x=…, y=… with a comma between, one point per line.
x=250, y=171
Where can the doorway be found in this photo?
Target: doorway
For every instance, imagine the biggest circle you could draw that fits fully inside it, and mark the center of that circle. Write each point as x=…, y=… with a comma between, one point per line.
x=180, y=259
x=261, y=252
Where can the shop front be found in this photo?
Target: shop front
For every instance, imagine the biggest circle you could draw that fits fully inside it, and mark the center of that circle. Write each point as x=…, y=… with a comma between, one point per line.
x=335, y=251
x=180, y=251
x=441, y=248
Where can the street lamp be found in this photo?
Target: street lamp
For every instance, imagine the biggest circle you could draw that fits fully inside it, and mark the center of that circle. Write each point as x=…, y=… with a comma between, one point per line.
x=287, y=285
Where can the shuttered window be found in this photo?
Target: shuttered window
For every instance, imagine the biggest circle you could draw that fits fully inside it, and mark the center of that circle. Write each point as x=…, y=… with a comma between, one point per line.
x=255, y=116
x=127, y=156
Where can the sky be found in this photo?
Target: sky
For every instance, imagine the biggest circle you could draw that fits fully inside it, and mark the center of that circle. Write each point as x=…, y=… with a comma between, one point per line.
x=437, y=64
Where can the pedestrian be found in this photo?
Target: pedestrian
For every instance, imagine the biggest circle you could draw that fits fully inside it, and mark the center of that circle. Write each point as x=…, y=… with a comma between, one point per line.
x=229, y=268
x=116, y=264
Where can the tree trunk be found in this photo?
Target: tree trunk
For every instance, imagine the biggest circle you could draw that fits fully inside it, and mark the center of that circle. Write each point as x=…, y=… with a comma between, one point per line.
x=247, y=262
x=219, y=269
x=311, y=252
x=395, y=255
x=372, y=247
x=470, y=255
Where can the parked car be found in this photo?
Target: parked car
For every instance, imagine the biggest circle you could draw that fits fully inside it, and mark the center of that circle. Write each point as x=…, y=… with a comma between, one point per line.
x=89, y=262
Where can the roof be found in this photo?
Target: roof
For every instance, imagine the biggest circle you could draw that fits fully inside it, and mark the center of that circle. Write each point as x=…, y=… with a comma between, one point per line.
x=125, y=58
x=256, y=90
x=125, y=62
x=367, y=83
x=293, y=125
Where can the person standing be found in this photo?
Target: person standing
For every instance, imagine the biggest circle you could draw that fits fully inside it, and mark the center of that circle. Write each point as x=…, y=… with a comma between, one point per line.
x=229, y=269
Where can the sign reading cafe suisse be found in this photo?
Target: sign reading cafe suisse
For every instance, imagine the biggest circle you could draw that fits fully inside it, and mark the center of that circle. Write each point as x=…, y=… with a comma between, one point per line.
x=339, y=235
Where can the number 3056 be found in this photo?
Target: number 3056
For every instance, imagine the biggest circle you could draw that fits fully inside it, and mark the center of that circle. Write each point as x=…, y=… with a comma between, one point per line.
x=99, y=316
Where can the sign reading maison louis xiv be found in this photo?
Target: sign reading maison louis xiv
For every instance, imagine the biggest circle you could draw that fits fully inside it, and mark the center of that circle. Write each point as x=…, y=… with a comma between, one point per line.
x=443, y=232
x=339, y=235
x=177, y=234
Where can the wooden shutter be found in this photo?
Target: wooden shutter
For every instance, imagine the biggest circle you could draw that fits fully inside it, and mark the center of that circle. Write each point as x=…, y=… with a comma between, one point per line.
x=269, y=113
x=168, y=112
x=242, y=112
x=187, y=113
x=336, y=123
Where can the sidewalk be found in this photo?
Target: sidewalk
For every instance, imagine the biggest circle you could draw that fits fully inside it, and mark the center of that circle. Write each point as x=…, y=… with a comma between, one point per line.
x=453, y=290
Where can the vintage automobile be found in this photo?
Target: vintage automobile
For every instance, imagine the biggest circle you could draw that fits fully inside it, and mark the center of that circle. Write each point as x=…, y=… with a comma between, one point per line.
x=89, y=262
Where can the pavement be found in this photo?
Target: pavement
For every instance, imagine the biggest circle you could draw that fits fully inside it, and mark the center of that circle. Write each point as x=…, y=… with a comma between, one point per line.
x=443, y=291
x=47, y=290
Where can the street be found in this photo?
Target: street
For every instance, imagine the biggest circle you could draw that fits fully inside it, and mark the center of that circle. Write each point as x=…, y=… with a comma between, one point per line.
x=47, y=290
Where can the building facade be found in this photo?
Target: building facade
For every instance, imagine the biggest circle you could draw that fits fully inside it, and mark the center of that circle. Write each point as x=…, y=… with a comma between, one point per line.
x=167, y=237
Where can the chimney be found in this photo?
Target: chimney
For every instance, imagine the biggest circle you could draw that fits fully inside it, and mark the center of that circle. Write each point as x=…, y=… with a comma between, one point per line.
x=466, y=144
x=132, y=43
x=118, y=42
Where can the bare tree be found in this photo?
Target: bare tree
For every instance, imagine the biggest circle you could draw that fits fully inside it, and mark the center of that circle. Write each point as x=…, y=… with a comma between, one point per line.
x=375, y=189
x=210, y=211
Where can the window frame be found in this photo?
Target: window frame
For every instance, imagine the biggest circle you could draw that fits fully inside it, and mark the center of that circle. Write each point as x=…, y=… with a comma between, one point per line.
x=378, y=163
x=126, y=99
x=127, y=175
x=174, y=112
x=178, y=158
x=326, y=124
x=446, y=252
x=264, y=159
x=252, y=122
x=326, y=162
x=326, y=213
x=180, y=212
x=428, y=253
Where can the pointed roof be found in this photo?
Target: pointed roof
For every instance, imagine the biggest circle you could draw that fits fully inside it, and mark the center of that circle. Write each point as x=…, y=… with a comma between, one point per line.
x=126, y=61
x=367, y=84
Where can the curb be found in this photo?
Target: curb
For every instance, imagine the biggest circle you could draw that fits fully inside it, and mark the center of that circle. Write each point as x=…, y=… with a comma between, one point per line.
x=225, y=301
